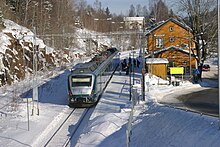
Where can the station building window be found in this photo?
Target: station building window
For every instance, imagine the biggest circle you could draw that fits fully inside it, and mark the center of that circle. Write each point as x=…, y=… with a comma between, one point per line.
x=171, y=28
x=159, y=42
x=171, y=39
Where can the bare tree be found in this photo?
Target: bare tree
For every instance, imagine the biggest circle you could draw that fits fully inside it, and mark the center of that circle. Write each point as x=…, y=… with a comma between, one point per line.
x=204, y=28
x=159, y=11
x=132, y=11
x=145, y=11
x=26, y=11
x=139, y=10
x=98, y=5
x=1, y=17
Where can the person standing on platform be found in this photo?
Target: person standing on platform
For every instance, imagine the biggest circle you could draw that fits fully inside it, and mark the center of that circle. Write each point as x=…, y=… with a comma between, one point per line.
x=134, y=62
x=138, y=63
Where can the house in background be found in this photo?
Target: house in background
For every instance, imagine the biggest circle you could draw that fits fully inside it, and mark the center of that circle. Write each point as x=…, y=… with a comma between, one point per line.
x=173, y=40
x=134, y=23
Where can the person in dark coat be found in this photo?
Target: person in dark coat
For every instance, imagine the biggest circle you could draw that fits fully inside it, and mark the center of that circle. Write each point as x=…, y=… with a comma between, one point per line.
x=124, y=64
x=134, y=62
x=138, y=63
x=127, y=69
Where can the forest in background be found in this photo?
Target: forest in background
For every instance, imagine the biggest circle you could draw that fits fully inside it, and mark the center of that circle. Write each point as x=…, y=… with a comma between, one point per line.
x=61, y=16
x=50, y=17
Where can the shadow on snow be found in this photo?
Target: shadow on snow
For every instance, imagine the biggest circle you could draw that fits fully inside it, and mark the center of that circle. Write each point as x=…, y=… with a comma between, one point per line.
x=54, y=91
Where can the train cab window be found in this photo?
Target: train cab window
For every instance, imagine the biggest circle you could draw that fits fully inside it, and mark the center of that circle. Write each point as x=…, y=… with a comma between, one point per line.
x=81, y=81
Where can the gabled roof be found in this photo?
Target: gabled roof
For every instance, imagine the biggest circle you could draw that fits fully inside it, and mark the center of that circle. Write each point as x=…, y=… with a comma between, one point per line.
x=159, y=24
x=168, y=48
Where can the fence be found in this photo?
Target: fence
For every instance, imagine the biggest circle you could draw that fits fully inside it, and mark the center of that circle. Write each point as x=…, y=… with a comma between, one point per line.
x=135, y=100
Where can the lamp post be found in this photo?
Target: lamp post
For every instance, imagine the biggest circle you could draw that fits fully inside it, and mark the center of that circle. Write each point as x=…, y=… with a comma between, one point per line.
x=143, y=68
x=20, y=37
x=35, y=67
x=129, y=65
x=133, y=64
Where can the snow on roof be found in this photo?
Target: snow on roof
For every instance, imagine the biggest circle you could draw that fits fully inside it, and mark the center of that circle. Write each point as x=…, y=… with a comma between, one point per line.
x=156, y=60
x=133, y=18
x=159, y=24
x=168, y=48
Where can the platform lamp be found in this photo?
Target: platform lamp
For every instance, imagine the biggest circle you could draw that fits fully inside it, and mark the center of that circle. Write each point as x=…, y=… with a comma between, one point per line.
x=143, y=60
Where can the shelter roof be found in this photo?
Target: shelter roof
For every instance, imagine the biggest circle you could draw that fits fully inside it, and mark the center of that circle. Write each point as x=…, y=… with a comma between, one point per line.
x=157, y=61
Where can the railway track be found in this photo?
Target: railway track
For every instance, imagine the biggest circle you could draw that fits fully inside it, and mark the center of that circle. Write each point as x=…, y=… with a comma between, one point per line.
x=76, y=132
x=68, y=132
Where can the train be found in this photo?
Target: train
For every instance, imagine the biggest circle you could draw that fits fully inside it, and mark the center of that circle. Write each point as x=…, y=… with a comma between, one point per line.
x=88, y=80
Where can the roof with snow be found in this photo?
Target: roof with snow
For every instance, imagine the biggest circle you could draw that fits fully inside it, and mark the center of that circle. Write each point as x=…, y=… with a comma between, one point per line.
x=159, y=24
x=133, y=18
x=157, y=61
x=169, y=48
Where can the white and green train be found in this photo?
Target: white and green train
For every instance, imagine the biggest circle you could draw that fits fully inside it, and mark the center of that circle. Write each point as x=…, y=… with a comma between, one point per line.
x=88, y=80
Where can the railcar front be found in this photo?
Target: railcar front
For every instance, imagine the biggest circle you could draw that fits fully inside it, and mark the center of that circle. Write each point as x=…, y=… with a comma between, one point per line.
x=81, y=89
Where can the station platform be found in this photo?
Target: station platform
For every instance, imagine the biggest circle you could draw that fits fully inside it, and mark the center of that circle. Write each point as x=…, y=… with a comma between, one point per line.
x=116, y=97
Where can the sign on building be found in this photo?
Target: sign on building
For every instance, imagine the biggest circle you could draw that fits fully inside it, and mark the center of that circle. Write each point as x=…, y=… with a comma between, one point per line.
x=176, y=70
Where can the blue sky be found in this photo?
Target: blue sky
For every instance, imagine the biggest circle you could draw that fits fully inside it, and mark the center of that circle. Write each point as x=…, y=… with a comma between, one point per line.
x=122, y=6
x=118, y=6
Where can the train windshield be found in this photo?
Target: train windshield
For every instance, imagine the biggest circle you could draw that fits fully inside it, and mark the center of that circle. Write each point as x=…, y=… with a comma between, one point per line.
x=81, y=81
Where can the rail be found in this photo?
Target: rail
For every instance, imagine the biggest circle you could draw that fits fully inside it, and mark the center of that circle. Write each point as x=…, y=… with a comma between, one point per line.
x=58, y=129
x=79, y=126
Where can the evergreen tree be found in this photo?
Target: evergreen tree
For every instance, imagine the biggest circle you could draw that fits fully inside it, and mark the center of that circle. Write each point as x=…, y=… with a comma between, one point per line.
x=107, y=12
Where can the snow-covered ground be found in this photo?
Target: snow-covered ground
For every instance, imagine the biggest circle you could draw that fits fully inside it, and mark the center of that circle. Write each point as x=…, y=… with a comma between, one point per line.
x=153, y=124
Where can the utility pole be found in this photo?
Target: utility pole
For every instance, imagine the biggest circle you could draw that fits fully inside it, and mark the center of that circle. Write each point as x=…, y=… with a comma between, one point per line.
x=133, y=64
x=35, y=67
x=190, y=62
x=130, y=66
x=143, y=60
